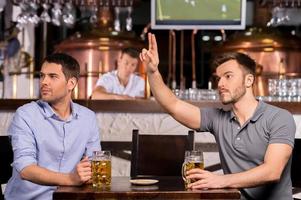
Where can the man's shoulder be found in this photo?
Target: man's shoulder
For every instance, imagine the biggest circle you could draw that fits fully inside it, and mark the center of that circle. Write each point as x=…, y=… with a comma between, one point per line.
x=33, y=105
x=272, y=113
x=106, y=78
x=138, y=78
x=32, y=110
x=269, y=108
x=216, y=114
x=83, y=110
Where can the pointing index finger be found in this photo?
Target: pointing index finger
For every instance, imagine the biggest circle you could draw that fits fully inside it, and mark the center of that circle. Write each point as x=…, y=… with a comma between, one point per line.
x=154, y=42
x=149, y=41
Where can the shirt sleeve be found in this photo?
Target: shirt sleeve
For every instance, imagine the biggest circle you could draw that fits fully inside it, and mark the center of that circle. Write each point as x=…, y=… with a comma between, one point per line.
x=23, y=142
x=282, y=128
x=94, y=140
x=207, y=119
x=106, y=82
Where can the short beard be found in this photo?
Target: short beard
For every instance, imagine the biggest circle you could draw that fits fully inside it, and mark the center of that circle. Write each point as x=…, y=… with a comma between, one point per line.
x=237, y=95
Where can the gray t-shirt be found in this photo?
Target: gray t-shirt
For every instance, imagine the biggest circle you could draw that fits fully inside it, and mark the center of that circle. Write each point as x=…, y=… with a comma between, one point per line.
x=243, y=147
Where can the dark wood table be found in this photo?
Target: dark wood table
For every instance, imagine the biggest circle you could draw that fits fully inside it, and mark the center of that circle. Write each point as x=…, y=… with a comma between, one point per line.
x=121, y=188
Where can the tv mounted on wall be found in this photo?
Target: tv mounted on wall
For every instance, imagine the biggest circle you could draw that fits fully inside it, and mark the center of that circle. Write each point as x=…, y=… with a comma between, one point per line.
x=198, y=14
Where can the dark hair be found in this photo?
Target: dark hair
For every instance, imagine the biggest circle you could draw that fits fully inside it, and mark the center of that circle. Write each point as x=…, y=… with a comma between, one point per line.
x=70, y=66
x=134, y=53
x=247, y=63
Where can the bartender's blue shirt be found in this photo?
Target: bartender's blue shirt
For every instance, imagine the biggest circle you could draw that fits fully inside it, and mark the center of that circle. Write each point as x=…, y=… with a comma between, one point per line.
x=40, y=137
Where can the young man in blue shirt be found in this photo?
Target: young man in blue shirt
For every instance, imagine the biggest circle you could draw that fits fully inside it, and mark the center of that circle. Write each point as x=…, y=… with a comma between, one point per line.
x=52, y=138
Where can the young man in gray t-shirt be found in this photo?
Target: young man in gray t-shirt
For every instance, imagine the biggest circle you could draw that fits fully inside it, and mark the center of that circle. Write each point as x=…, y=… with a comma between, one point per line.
x=255, y=139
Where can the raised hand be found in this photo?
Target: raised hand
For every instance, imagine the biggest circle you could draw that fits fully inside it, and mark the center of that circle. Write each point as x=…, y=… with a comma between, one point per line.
x=150, y=57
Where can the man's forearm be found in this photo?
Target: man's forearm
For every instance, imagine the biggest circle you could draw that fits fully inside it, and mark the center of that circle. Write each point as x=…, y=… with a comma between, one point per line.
x=43, y=176
x=254, y=177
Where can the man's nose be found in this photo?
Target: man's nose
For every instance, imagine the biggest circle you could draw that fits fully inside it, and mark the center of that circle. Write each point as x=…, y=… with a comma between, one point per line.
x=128, y=68
x=43, y=80
x=220, y=83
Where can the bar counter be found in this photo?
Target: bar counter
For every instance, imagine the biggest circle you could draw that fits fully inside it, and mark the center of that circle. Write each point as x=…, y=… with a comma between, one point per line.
x=121, y=188
x=137, y=106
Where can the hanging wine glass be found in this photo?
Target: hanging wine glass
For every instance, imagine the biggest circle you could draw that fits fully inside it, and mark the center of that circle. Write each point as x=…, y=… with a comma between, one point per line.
x=33, y=17
x=129, y=20
x=45, y=17
x=117, y=21
x=56, y=14
x=93, y=9
x=84, y=12
x=69, y=14
x=2, y=5
x=286, y=17
x=22, y=18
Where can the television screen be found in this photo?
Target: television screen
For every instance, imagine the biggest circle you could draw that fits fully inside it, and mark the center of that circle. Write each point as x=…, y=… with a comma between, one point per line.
x=198, y=14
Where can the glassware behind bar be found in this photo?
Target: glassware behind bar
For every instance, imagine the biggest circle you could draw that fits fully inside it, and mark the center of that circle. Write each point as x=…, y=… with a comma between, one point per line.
x=194, y=94
x=284, y=89
x=193, y=159
x=101, y=169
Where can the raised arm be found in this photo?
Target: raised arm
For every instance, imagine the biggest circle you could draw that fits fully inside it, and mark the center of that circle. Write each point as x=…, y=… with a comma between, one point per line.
x=185, y=113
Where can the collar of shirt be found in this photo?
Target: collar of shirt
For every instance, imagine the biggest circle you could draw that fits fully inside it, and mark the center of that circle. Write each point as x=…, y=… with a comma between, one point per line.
x=49, y=112
x=129, y=82
x=257, y=114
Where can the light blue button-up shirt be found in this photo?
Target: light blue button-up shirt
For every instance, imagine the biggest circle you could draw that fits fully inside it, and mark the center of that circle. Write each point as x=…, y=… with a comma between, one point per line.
x=40, y=137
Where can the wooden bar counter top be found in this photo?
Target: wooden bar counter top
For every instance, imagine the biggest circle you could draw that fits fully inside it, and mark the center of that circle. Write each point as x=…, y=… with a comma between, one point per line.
x=137, y=106
x=121, y=188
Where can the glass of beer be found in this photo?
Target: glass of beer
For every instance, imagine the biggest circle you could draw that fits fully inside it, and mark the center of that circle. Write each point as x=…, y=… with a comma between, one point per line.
x=101, y=169
x=193, y=159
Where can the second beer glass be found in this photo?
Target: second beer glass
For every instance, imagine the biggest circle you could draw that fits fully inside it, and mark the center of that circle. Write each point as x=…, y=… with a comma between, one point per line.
x=101, y=169
x=193, y=159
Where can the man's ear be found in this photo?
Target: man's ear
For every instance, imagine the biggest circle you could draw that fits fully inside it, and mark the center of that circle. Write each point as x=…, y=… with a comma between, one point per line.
x=249, y=80
x=72, y=83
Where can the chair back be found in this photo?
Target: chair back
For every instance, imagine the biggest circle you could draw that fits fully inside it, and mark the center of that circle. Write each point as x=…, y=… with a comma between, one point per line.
x=6, y=155
x=159, y=155
x=296, y=164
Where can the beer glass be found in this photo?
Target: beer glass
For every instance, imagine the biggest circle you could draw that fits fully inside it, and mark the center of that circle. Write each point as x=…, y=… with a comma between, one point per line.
x=193, y=159
x=101, y=169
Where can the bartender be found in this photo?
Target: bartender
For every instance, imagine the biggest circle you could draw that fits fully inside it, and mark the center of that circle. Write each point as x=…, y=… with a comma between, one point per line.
x=122, y=83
